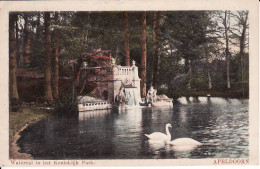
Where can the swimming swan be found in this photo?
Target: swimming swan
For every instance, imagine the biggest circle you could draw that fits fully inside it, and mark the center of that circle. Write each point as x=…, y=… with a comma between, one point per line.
x=159, y=135
x=185, y=142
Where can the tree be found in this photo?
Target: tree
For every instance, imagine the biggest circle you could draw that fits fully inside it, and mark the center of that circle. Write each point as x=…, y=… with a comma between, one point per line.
x=56, y=60
x=225, y=18
x=211, y=46
x=47, y=65
x=157, y=23
x=13, y=84
x=37, y=41
x=186, y=34
x=38, y=24
x=226, y=23
x=167, y=45
x=143, y=54
x=17, y=42
x=126, y=42
x=243, y=21
x=27, y=40
x=240, y=34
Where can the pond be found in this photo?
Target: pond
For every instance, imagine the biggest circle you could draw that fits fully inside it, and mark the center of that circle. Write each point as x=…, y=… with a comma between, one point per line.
x=220, y=124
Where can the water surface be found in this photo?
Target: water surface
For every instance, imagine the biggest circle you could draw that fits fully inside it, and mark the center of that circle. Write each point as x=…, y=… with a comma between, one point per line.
x=220, y=124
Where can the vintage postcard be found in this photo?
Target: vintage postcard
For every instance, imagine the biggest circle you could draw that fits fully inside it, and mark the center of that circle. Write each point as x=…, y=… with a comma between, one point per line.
x=129, y=83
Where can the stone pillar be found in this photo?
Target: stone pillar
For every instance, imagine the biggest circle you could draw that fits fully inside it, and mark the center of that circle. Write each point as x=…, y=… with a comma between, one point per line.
x=136, y=79
x=116, y=81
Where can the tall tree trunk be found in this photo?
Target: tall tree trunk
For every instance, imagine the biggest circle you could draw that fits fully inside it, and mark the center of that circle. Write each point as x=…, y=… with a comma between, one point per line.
x=38, y=25
x=56, y=61
x=126, y=33
x=227, y=48
x=209, y=78
x=156, y=47
x=77, y=71
x=186, y=65
x=17, y=43
x=47, y=70
x=143, y=55
x=27, y=51
x=228, y=79
x=242, y=48
x=187, y=68
x=12, y=75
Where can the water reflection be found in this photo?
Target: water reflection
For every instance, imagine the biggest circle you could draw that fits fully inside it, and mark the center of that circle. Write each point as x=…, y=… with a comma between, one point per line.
x=183, y=148
x=155, y=145
x=91, y=114
x=220, y=124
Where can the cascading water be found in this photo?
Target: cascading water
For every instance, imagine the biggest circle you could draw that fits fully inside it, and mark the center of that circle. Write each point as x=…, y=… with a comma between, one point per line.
x=132, y=96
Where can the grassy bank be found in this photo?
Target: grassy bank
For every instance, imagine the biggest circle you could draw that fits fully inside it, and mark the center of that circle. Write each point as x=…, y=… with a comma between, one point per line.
x=27, y=114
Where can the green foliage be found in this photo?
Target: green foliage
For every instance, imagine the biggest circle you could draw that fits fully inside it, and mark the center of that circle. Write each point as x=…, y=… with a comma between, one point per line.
x=188, y=40
x=236, y=71
x=199, y=82
x=65, y=107
x=25, y=115
x=37, y=52
x=189, y=29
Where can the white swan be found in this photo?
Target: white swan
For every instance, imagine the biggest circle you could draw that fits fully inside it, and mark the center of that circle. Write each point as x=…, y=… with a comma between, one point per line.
x=159, y=135
x=185, y=142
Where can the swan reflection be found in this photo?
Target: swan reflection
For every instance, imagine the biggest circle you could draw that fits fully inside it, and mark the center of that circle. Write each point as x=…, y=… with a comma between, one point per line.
x=156, y=145
x=183, y=148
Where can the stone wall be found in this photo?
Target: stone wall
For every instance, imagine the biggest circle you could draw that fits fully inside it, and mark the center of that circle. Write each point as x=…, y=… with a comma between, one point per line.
x=110, y=79
x=125, y=76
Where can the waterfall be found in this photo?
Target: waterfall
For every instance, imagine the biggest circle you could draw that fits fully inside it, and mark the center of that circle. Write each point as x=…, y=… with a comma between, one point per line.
x=132, y=96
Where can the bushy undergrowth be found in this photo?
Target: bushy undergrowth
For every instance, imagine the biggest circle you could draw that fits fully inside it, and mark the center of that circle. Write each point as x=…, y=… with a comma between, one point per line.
x=65, y=107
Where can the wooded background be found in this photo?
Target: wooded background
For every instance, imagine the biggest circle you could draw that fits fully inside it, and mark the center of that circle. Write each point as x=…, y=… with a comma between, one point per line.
x=178, y=52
